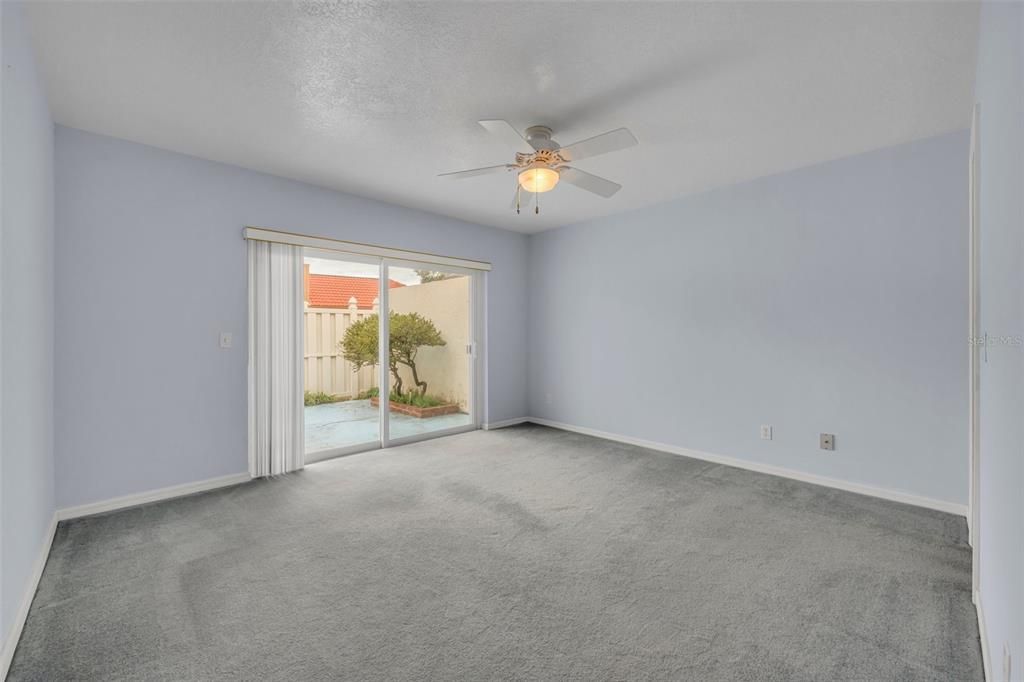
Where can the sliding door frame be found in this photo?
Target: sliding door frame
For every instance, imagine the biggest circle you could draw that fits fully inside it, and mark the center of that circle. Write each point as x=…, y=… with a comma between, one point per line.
x=356, y=448
x=476, y=351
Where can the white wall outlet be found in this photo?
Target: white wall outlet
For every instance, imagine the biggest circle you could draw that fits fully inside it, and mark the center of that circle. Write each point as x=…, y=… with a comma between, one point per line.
x=766, y=431
x=225, y=339
x=827, y=441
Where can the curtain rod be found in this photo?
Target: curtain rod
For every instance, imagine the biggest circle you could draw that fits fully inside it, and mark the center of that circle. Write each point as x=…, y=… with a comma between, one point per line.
x=296, y=239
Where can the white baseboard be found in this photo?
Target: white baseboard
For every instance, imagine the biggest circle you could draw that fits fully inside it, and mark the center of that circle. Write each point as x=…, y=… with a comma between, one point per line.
x=150, y=496
x=884, y=493
x=11, y=641
x=490, y=426
x=986, y=655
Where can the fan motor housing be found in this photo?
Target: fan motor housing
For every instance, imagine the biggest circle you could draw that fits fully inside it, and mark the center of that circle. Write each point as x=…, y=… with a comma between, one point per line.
x=539, y=138
x=546, y=152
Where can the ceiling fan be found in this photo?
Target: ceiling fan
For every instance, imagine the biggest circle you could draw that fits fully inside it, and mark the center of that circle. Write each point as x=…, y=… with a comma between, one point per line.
x=541, y=162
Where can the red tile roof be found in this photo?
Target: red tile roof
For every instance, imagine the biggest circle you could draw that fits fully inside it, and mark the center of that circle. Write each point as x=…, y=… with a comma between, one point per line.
x=334, y=291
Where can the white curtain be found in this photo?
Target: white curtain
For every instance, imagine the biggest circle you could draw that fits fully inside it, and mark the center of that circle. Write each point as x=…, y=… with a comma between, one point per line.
x=276, y=443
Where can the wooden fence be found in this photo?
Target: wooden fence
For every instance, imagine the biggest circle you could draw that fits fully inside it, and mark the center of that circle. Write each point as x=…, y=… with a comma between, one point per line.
x=326, y=369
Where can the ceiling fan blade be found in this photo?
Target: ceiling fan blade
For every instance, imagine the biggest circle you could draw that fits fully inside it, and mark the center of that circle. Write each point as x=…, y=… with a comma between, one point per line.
x=599, y=144
x=503, y=129
x=591, y=183
x=472, y=173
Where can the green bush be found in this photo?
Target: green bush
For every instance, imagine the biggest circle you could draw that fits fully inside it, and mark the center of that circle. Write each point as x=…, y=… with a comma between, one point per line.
x=418, y=399
x=320, y=398
x=414, y=399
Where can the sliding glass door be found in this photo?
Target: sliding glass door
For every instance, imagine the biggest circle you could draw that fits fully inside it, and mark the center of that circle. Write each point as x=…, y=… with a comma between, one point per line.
x=341, y=299
x=426, y=384
x=431, y=351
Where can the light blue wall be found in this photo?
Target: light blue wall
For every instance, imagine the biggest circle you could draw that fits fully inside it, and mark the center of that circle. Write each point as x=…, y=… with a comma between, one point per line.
x=151, y=267
x=828, y=299
x=26, y=308
x=1000, y=91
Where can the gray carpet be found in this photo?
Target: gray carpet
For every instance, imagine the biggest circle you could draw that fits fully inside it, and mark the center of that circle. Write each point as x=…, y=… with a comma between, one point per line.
x=526, y=553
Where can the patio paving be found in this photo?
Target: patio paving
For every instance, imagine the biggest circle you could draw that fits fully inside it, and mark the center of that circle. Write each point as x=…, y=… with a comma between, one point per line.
x=352, y=422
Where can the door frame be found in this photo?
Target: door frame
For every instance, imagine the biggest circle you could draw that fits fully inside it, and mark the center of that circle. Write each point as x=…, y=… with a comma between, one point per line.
x=976, y=338
x=476, y=350
x=355, y=448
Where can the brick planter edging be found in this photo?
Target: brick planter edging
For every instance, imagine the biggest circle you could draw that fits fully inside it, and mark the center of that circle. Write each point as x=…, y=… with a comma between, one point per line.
x=421, y=412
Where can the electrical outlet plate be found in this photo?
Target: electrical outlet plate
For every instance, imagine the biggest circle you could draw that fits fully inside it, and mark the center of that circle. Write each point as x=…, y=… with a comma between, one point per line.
x=766, y=431
x=827, y=441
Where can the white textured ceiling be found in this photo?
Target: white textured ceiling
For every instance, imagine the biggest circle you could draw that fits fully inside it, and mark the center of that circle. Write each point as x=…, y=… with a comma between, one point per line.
x=377, y=98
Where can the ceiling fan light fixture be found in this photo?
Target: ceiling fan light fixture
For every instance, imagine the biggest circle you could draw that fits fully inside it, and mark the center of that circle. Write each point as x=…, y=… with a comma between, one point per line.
x=538, y=178
x=540, y=162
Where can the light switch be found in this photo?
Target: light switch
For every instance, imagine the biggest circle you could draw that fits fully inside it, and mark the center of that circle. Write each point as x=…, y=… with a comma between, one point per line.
x=225, y=339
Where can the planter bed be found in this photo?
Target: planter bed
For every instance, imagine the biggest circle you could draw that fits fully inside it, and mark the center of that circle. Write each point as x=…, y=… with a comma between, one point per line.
x=421, y=412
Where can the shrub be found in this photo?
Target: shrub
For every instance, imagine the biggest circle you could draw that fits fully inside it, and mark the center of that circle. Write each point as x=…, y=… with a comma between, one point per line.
x=415, y=399
x=319, y=398
x=418, y=399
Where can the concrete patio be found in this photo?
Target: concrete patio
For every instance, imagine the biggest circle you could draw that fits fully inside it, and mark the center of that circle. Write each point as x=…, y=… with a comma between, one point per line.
x=352, y=422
